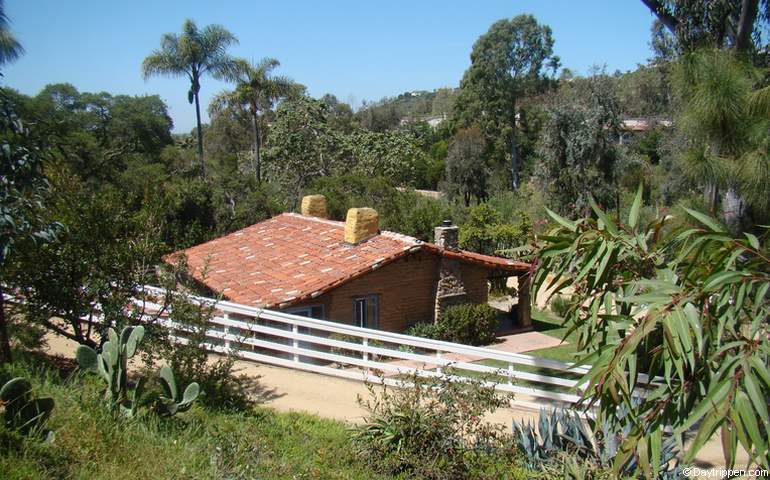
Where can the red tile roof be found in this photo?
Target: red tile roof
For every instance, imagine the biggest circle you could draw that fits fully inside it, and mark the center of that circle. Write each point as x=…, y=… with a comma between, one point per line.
x=291, y=257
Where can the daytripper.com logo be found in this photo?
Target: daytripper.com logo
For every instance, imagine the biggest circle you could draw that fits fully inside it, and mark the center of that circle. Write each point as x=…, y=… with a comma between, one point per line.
x=697, y=472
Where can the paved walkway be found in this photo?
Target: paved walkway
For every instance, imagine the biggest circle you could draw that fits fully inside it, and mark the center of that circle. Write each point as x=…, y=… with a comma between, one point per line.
x=331, y=397
x=515, y=343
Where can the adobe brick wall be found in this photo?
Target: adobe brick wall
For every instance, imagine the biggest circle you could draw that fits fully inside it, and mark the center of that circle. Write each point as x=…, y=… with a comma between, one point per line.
x=406, y=289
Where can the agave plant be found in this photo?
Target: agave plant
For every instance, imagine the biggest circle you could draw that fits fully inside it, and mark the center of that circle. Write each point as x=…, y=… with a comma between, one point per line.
x=560, y=434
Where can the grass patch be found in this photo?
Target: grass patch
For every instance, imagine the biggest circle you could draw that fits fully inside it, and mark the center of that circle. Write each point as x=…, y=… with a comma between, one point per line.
x=202, y=443
x=545, y=322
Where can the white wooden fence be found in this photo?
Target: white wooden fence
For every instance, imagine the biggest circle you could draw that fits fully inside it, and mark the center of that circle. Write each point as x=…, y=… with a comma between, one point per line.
x=355, y=353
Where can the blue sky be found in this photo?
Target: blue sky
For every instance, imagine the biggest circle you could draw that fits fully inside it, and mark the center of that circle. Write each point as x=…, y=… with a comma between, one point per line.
x=357, y=50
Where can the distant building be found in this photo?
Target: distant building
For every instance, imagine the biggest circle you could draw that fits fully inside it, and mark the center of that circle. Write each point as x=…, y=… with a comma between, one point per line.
x=432, y=120
x=630, y=127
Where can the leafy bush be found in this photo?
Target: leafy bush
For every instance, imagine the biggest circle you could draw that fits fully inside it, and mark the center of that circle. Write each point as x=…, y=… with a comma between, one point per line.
x=102, y=258
x=220, y=386
x=425, y=330
x=435, y=430
x=470, y=324
x=560, y=305
x=485, y=232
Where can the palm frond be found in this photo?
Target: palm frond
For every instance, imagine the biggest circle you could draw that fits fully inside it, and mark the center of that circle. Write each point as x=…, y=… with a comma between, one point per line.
x=10, y=48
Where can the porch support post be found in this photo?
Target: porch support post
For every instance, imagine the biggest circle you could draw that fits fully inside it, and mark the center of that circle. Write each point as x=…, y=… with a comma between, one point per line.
x=524, y=308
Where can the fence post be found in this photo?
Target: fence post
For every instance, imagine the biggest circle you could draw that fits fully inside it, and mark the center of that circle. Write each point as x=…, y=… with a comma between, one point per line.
x=365, y=355
x=510, y=374
x=226, y=317
x=295, y=342
x=439, y=368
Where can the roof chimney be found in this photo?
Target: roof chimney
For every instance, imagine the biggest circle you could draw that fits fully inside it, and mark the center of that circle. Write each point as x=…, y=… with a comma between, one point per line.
x=447, y=235
x=361, y=224
x=314, y=206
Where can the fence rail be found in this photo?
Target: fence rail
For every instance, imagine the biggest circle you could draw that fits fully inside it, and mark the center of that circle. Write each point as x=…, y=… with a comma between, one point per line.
x=356, y=353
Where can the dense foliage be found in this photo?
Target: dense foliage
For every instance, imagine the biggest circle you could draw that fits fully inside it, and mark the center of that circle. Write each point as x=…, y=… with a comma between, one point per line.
x=468, y=324
x=687, y=309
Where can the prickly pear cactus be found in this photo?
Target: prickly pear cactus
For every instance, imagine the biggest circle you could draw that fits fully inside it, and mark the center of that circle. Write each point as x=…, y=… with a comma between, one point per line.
x=23, y=413
x=112, y=366
x=172, y=403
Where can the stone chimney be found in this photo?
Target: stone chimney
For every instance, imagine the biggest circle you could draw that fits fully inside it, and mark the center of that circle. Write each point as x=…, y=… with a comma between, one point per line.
x=361, y=224
x=447, y=235
x=450, y=289
x=314, y=206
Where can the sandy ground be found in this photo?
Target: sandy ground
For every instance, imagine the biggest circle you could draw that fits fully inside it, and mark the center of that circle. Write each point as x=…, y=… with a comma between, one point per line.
x=290, y=390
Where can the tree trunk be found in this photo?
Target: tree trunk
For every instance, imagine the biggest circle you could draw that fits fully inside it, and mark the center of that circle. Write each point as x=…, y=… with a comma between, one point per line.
x=514, y=155
x=5, y=340
x=733, y=211
x=255, y=143
x=710, y=196
x=200, y=135
x=746, y=24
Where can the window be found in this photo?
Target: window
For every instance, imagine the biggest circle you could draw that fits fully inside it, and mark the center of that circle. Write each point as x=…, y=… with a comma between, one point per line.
x=312, y=311
x=367, y=311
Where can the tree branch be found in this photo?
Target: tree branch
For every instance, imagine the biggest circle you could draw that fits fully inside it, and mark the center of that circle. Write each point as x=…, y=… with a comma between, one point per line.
x=665, y=17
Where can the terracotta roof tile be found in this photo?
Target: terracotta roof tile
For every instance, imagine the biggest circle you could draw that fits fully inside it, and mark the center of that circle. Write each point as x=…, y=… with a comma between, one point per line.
x=292, y=257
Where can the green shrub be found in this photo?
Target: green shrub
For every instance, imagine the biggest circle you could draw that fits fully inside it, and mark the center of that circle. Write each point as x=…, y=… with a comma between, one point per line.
x=220, y=386
x=425, y=330
x=435, y=430
x=469, y=324
x=560, y=305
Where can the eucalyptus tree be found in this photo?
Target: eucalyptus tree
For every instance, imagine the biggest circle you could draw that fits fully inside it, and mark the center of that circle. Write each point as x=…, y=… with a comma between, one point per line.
x=10, y=48
x=193, y=54
x=672, y=327
x=578, y=153
x=506, y=63
x=732, y=24
x=257, y=90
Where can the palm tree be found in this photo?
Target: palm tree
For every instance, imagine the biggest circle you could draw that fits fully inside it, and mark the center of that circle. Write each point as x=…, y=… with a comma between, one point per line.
x=193, y=54
x=257, y=91
x=10, y=48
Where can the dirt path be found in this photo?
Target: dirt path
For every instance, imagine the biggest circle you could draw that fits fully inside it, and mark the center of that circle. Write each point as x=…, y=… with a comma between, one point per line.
x=290, y=390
